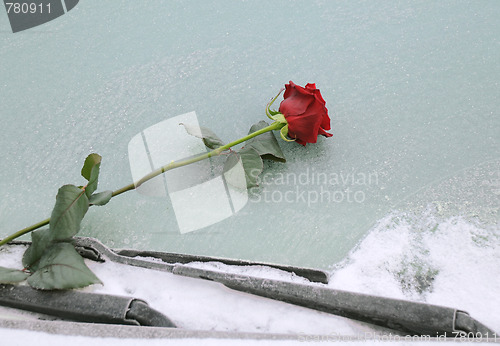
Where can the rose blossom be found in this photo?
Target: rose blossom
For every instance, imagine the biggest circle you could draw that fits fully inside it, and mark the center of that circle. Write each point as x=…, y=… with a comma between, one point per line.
x=305, y=111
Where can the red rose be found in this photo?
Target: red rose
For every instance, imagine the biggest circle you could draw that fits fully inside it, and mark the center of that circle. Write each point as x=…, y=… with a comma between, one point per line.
x=304, y=110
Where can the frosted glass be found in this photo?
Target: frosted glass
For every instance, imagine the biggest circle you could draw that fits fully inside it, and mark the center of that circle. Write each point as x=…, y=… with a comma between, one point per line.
x=412, y=90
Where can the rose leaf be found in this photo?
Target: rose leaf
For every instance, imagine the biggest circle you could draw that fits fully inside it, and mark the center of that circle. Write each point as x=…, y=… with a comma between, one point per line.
x=242, y=169
x=70, y=208
x=12, y=276
x=40, y=241
x=100, y=198
x=210, y=139
x=265, y=144
x=62, y=268
x=90, y=171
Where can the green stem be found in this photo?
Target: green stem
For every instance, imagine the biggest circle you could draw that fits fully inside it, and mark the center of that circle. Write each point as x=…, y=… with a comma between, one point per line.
x=215, y=152
x=24, y=231
x=163, y=169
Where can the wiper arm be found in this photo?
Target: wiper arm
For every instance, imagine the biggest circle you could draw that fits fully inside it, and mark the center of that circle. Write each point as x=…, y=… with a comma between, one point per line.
x=93, y=249
x=405, y=316
x=83, y=307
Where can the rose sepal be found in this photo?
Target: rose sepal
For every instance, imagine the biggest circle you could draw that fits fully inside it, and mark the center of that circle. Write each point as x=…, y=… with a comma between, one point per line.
x=279, y=118
x=284, y=133
x=271, y=112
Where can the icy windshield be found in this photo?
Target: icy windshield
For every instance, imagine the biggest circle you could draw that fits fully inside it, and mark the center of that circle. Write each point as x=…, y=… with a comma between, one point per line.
x=404, y=196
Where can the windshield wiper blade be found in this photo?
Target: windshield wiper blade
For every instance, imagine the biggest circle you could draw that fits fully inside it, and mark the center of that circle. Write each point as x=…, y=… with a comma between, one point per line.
x=400, y=315
x=83, y=307
x=313, y=275
x=93, y=249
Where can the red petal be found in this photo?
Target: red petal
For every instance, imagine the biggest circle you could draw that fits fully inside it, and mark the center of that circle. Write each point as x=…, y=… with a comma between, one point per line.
x=326, y=119
x=304, y=127
x=301, y=142
x=324, y=133
x=320, y=110
x=311, y=86
x=295, y=106
x=318, y=95
x=296, y=100
x=325, y=122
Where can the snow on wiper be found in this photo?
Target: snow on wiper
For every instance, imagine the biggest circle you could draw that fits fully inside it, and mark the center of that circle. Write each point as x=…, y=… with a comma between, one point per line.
x=83, y=307
x=404, y=316
x=400, y=315
x=410, y=318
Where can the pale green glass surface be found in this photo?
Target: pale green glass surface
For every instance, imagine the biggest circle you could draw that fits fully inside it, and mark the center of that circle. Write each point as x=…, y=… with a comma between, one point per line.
x=412, y=88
